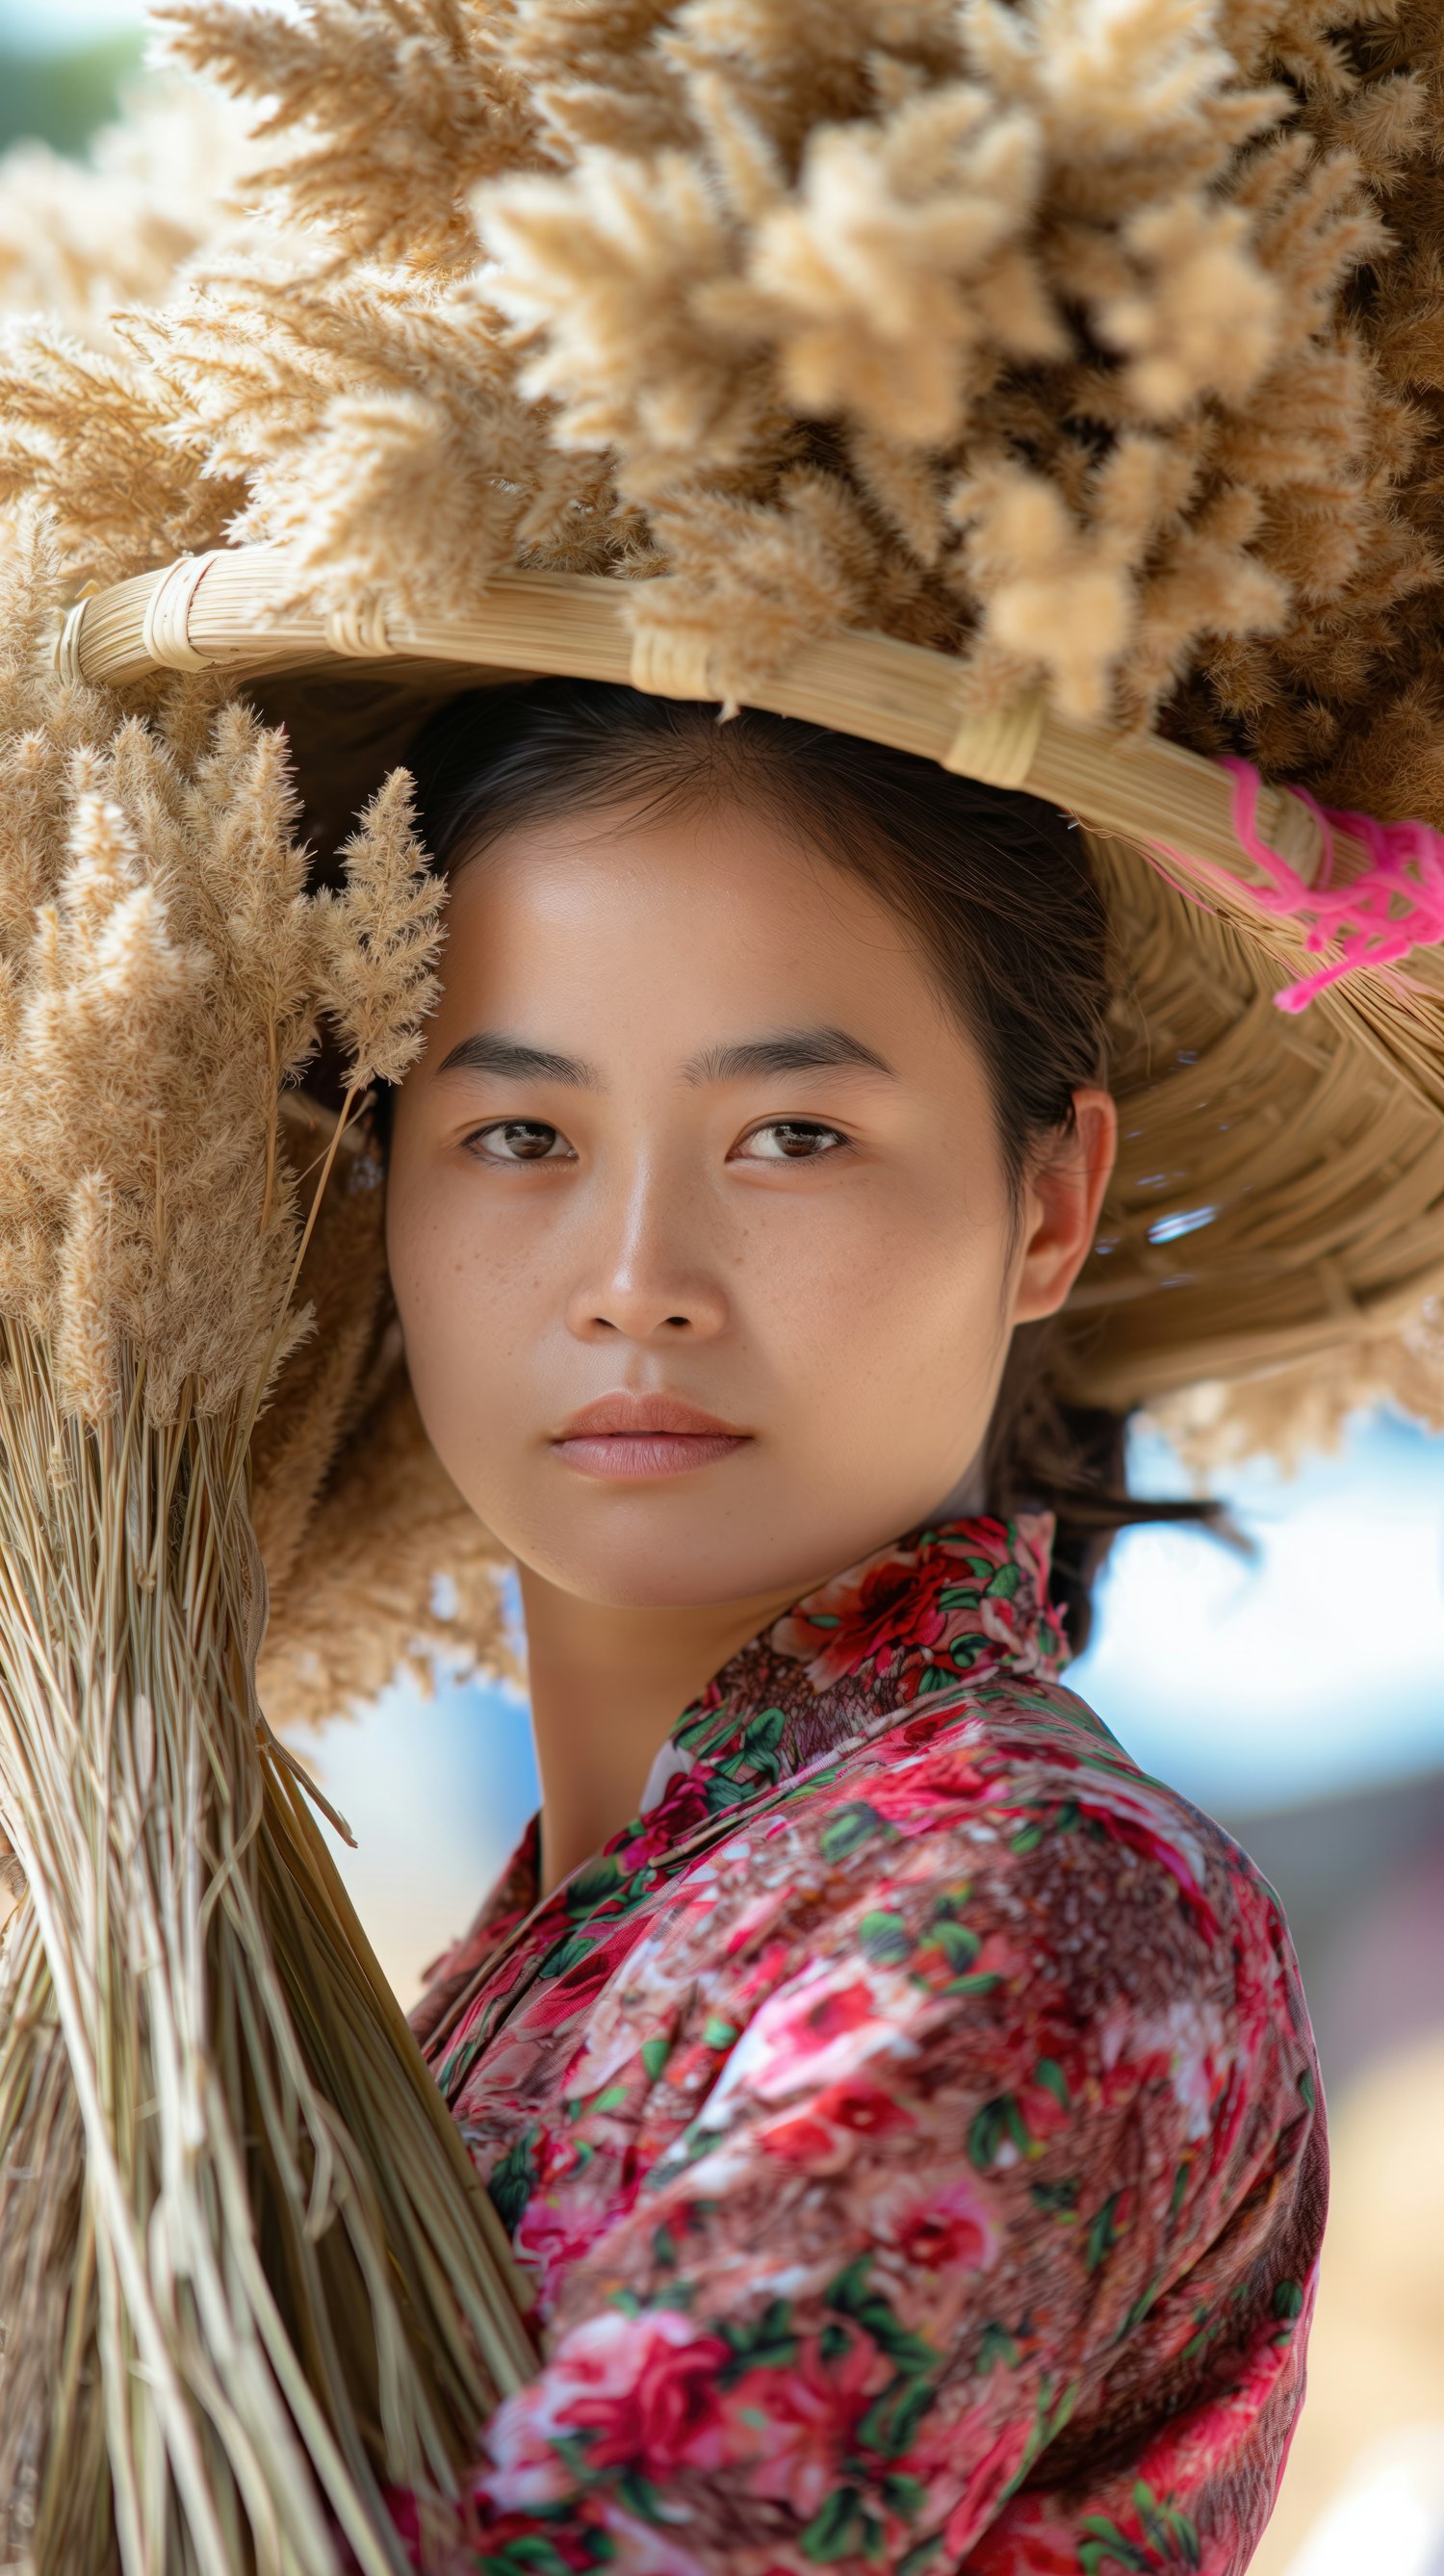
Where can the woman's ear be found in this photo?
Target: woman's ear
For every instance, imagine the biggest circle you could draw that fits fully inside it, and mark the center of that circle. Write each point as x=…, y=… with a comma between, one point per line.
x=1062, y=1200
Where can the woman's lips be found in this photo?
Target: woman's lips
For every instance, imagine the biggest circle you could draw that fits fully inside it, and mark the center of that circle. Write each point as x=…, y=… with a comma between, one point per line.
x=644, y=1436
x=647, y=1453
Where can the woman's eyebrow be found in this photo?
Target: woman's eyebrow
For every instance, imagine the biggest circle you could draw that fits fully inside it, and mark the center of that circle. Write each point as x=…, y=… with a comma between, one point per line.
x=491, y=1051
x=785, y=1051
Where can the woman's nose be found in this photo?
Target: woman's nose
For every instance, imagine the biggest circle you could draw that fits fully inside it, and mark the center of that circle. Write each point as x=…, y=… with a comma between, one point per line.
x=648, y=1274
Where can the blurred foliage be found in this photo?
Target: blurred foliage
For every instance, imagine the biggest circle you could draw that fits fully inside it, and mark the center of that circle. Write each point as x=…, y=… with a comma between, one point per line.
x=62, y=97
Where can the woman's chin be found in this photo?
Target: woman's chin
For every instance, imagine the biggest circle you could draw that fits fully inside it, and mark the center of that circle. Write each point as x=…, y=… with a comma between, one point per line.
x=674, y=1562
x=658, y=1551
x=727, y=1533
x=678, y=1581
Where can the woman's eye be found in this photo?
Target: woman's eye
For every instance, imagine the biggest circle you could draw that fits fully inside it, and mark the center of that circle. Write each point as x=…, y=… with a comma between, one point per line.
x=520, y=1140
x=791, y=1140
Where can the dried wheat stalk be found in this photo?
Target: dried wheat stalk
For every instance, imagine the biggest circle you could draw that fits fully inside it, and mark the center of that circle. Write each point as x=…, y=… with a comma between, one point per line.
x=246, y=2278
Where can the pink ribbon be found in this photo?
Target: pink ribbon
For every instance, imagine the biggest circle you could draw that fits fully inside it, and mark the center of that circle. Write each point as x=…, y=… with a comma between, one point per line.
x=1395, y=905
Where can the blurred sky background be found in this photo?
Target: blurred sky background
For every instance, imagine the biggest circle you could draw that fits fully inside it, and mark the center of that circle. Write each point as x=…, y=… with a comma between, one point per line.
x=1298, y=1694
x=60, y=64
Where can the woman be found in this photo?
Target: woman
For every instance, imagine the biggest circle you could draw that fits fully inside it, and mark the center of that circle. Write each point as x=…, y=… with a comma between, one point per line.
x=906, y=2110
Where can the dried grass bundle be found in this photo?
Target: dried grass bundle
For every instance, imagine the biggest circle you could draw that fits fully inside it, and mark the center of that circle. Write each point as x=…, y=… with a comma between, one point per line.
x=246, y=2275
x=1093, y=341
x=79, y=239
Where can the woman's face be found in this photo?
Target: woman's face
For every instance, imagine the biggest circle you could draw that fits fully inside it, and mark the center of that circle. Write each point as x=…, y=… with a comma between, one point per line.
x=697, y=1218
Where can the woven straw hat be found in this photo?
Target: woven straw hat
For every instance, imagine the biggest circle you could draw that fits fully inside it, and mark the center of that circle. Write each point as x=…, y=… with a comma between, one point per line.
x=1280, y=1188
x=1047, y=390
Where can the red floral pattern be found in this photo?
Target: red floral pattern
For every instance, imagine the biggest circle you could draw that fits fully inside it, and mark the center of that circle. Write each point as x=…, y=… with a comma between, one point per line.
x=910, y=2121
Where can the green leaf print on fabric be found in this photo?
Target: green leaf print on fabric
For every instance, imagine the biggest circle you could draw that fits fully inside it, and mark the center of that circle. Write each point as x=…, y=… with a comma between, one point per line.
x=919, y=2560
x=640, y=2497
x=593, y=1884
x=532, y=2556
x=1060, y=2199
x=1052, y=2410
x=1165, y=2538
x=843, y=2529
x=765, y=2342
x=723, y=1793
x=890, y=2426
x=999, y=2121
x=885, y=1938
x=512, y=2182
x=996, y=2345
x=958, y=1943
x=1106, y=2547
x=852, y=2296
x=567, y=1954
x=762, y=1736
x=1104, y=2231
x=851, y=1827
x=1050, y=2075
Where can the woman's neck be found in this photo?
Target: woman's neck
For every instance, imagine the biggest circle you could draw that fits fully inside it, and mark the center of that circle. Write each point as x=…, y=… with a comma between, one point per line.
x=607, y=1687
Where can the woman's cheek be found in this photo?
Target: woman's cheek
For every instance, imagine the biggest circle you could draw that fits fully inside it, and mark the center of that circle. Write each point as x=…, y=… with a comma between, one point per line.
x=462, y=1301
x=881, y=1290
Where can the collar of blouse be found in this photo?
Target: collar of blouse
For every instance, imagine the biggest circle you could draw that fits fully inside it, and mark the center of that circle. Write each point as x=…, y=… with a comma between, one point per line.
x=954, y=1604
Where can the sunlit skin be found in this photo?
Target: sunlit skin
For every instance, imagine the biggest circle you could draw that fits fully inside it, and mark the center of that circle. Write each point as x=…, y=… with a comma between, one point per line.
x=693, y=1121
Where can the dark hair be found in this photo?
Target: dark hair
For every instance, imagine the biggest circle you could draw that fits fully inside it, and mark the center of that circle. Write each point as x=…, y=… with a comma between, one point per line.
x=997, y=889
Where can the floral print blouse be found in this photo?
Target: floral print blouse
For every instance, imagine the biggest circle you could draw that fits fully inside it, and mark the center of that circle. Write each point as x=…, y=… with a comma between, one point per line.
x=909, y=2121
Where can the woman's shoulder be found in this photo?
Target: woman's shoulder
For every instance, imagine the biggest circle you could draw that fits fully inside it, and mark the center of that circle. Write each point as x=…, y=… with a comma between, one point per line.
x=1017, y=1736
x=1010, y=1811
x=1028, y=1757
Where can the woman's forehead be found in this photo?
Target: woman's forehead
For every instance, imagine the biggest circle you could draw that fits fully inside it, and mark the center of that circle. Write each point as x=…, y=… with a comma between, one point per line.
x=728, y=884
x=716, y=927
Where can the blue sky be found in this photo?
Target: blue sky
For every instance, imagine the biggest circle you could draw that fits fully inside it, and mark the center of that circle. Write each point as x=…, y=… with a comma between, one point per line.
x=1316, y=1666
